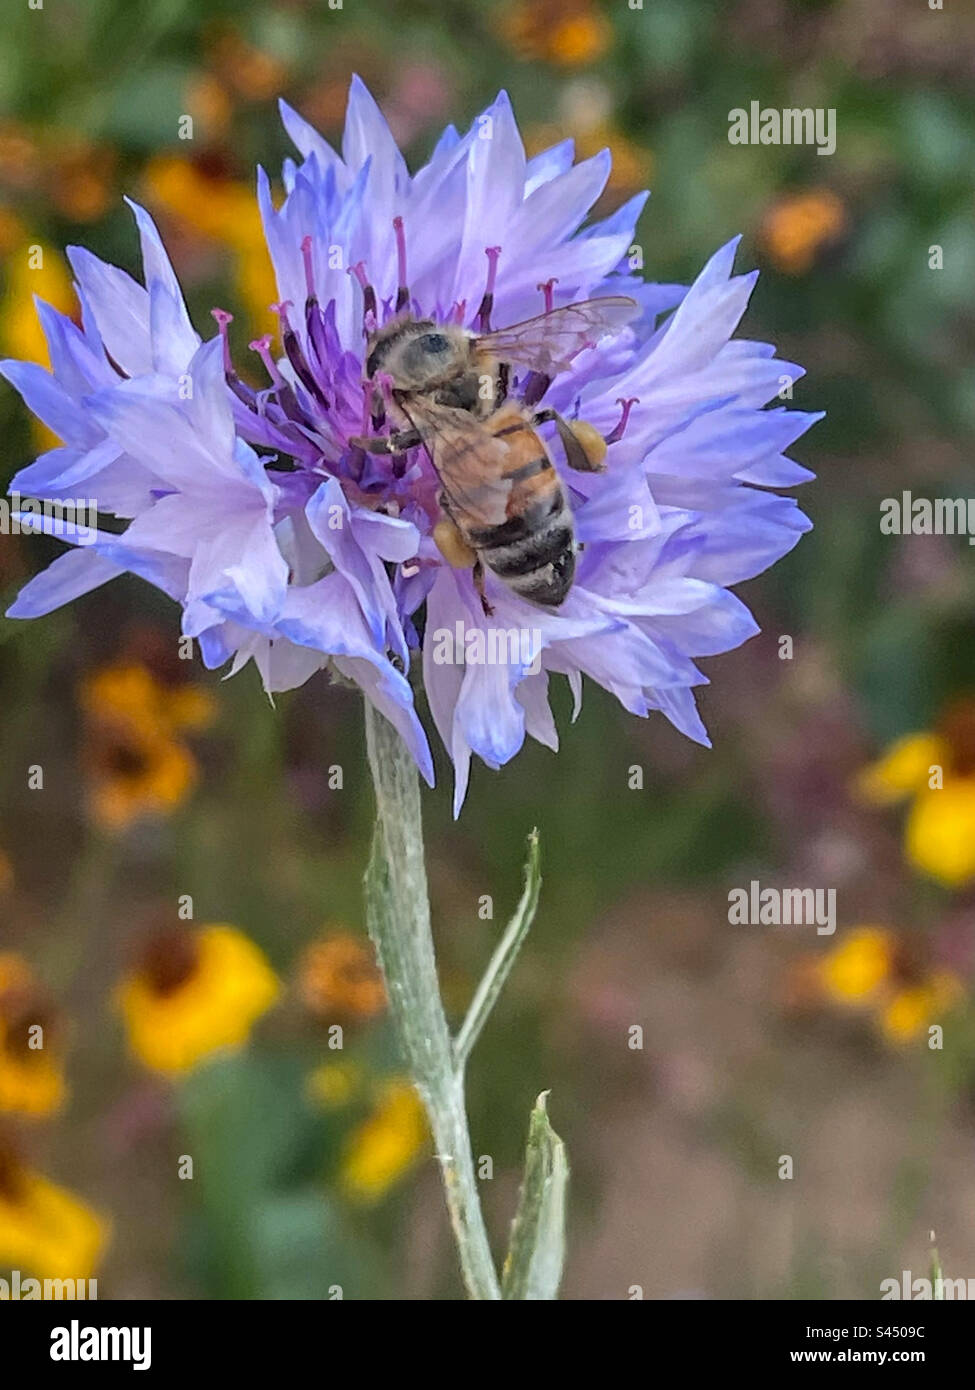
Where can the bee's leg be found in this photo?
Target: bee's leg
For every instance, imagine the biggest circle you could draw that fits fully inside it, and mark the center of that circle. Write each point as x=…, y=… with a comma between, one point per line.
x=479, y=586
x=397, y=443
x=452, y=546
x=487, y=303
x=585, y=448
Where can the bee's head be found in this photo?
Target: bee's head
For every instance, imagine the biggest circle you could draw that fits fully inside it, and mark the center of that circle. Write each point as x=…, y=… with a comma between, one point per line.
x=417, y=353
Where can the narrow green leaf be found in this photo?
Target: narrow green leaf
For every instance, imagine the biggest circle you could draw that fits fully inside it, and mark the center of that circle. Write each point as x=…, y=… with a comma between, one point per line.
x=505, y=954
x=533, y=1268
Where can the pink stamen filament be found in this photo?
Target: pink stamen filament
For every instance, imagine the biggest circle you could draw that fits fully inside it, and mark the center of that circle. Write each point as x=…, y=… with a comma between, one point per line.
x=402, y=294
x=546, y=287
x=262, y=346
x=359, y=271
x=627, y=404
x=282, y=312
x=369, y=320
x=306, y=257
x=493, y=254
x=224, y=318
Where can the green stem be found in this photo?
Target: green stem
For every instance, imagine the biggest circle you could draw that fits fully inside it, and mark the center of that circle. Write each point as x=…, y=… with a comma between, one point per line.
x=398, y=917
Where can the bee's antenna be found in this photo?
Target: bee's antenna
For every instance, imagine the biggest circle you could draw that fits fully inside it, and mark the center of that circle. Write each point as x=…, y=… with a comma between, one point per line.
x=403, y=289
x=487, y=303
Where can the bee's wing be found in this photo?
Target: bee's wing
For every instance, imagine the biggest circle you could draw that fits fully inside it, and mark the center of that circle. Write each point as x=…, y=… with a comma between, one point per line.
x=468, y=459
x=549, y=342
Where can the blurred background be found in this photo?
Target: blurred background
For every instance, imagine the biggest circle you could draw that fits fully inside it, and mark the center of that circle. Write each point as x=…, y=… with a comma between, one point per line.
x=180, y=863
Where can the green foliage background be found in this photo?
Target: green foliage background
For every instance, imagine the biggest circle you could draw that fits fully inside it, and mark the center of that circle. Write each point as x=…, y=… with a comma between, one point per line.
x=883, y=636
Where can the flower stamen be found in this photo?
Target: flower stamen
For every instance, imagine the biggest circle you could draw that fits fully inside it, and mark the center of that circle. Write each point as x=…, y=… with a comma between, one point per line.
x=546, y=287
x=493, y=254
x=306, y=257
x=262, y=346
x=370, y=320
x=223, y=319
x=403, y=289
x=627, y=404
x=294, y=354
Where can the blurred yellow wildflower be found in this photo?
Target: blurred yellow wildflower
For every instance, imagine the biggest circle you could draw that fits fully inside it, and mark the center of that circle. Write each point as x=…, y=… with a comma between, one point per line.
x=799, y=226
x=137, y=764
x=131, y=692
x=875, y=970
x=30, y=267
x=853, y=971
x=45, y=1231
x=223, y=210
x=569, y=33
x=333, y=1084
x=194, y=993
x=911, y=1010
x=386, y=1145
x=339, y=980
x=936, y=770
x=31, y=1062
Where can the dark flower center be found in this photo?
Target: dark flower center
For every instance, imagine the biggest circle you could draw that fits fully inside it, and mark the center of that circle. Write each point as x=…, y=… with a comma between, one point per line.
x=169, y=959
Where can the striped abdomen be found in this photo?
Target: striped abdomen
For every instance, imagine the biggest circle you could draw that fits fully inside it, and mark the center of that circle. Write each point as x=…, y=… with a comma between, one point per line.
x=533, y=552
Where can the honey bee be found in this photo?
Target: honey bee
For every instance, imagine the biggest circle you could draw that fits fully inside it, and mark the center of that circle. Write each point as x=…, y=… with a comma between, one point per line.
x=504, y=505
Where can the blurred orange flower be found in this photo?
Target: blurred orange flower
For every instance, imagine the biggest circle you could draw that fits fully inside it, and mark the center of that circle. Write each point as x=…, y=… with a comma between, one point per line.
x=339, y=980
x=632, y=166
x=799, y=226
x=569, y=33
x=253, y=73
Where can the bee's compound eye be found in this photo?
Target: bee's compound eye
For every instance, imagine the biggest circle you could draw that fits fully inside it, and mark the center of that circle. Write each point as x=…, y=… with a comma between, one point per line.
x=432, y=343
